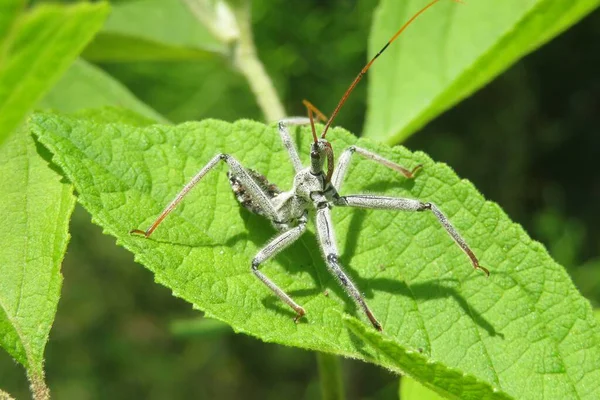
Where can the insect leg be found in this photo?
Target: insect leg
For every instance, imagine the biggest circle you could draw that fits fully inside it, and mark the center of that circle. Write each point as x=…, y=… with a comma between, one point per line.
x=276, y=245
x=257, y=194
x=394, y=203
x=284, y=133
x=344, y=163
x=328, y=246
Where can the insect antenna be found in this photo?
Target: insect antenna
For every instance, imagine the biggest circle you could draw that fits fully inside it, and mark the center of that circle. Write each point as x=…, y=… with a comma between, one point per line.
x=312, y=110
x=366, y=67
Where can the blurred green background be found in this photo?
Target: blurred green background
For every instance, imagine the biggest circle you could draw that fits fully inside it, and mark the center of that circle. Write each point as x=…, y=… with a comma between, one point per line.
x=529, y=141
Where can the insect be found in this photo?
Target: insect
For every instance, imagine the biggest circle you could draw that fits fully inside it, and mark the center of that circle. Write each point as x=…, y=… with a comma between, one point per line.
x=314, y=189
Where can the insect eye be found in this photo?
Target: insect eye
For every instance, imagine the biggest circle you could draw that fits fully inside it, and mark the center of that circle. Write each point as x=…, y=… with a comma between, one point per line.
x=314, y=154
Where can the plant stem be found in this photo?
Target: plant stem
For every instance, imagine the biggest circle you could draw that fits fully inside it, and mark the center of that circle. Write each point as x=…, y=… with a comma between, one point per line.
x=330, y=374
x=5, y=396
x=247, y=62
x=230, y=22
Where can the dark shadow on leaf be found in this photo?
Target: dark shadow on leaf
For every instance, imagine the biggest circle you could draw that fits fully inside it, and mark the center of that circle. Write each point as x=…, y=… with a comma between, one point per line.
x=240, y=237
x=304, y=292
x=354, y=229
x=383, y=186
x=359, y=344
x=275, y=304
x=46, y=155
x=431, y=290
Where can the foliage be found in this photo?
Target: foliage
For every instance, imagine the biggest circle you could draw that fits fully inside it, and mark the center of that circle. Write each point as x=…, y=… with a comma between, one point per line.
x=419, y=283
x=459, y=49
x=202, y=76
x=37, y=47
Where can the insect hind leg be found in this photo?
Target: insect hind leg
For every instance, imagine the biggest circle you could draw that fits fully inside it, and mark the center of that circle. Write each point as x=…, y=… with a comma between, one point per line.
x=403, y=204
x=328, y=246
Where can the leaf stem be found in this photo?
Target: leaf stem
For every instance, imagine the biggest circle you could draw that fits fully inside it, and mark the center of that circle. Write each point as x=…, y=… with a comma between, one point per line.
x=230, y=22
x=330, y=375
x=248, y=63
x=5, y=396
x=39, y=390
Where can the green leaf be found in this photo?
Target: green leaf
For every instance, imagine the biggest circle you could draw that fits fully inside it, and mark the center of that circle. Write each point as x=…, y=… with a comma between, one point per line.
x=34, y=210
x=167, y=88
x=525, y=332
x=411, y=389
x=152, y=30
x=199, y=328
x=37, y=51
x=330, y=377
x=87, y=86
x=449, y=52
x=9, y=11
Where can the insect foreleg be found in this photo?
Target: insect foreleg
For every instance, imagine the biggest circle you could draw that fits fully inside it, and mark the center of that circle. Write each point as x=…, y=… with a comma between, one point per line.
x=276, y=245
x=344, y=162
x=395, y=203
x=235, y=167
x=329, y=248
x=284, y=133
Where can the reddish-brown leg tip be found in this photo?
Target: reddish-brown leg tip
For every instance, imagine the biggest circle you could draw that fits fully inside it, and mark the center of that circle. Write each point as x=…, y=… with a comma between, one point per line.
x=137, y=232
x=374, y=322
x=301, y=313
x=485, y=270
x=415, y=170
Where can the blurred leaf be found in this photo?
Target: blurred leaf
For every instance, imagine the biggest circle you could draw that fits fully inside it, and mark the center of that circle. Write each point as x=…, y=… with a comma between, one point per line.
x=451, y=51
x=39, y=48
x=152, y=30
x=526, y=332
x=9, y=11
x=168, y=88
x=34, y=214
x=330, y=376
x=86, y=86
x=199, y=327
x=411, y=389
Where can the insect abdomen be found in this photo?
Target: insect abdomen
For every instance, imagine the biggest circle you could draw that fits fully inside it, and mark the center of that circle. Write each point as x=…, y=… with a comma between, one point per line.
x=243, y=196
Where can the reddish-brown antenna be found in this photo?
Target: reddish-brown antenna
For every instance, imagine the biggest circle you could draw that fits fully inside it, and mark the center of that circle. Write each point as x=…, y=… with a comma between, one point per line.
x=366, y=67
x=313, y=110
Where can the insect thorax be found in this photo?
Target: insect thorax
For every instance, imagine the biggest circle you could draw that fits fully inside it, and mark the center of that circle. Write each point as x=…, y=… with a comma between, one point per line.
x=290, y=205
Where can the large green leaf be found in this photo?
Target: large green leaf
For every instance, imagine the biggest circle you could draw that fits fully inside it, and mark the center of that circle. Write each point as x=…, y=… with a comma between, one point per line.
x=167, y=88
x=34, y=214
x=37, y=51
x=525, y=332
x=9, y=11
x=152, y=30
x=450, y=52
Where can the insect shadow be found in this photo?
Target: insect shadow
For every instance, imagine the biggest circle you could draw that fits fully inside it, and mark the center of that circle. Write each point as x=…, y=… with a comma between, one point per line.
x=358, y=215
x=420, y=291
x=306, y=248
x=301, y=256
x=433, y=290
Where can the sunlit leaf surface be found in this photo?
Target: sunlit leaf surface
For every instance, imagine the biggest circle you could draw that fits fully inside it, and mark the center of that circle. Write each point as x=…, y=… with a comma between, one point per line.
x=525, y=332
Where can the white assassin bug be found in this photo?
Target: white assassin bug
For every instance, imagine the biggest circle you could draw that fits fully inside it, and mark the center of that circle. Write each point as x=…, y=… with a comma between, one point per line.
x=313, y=189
